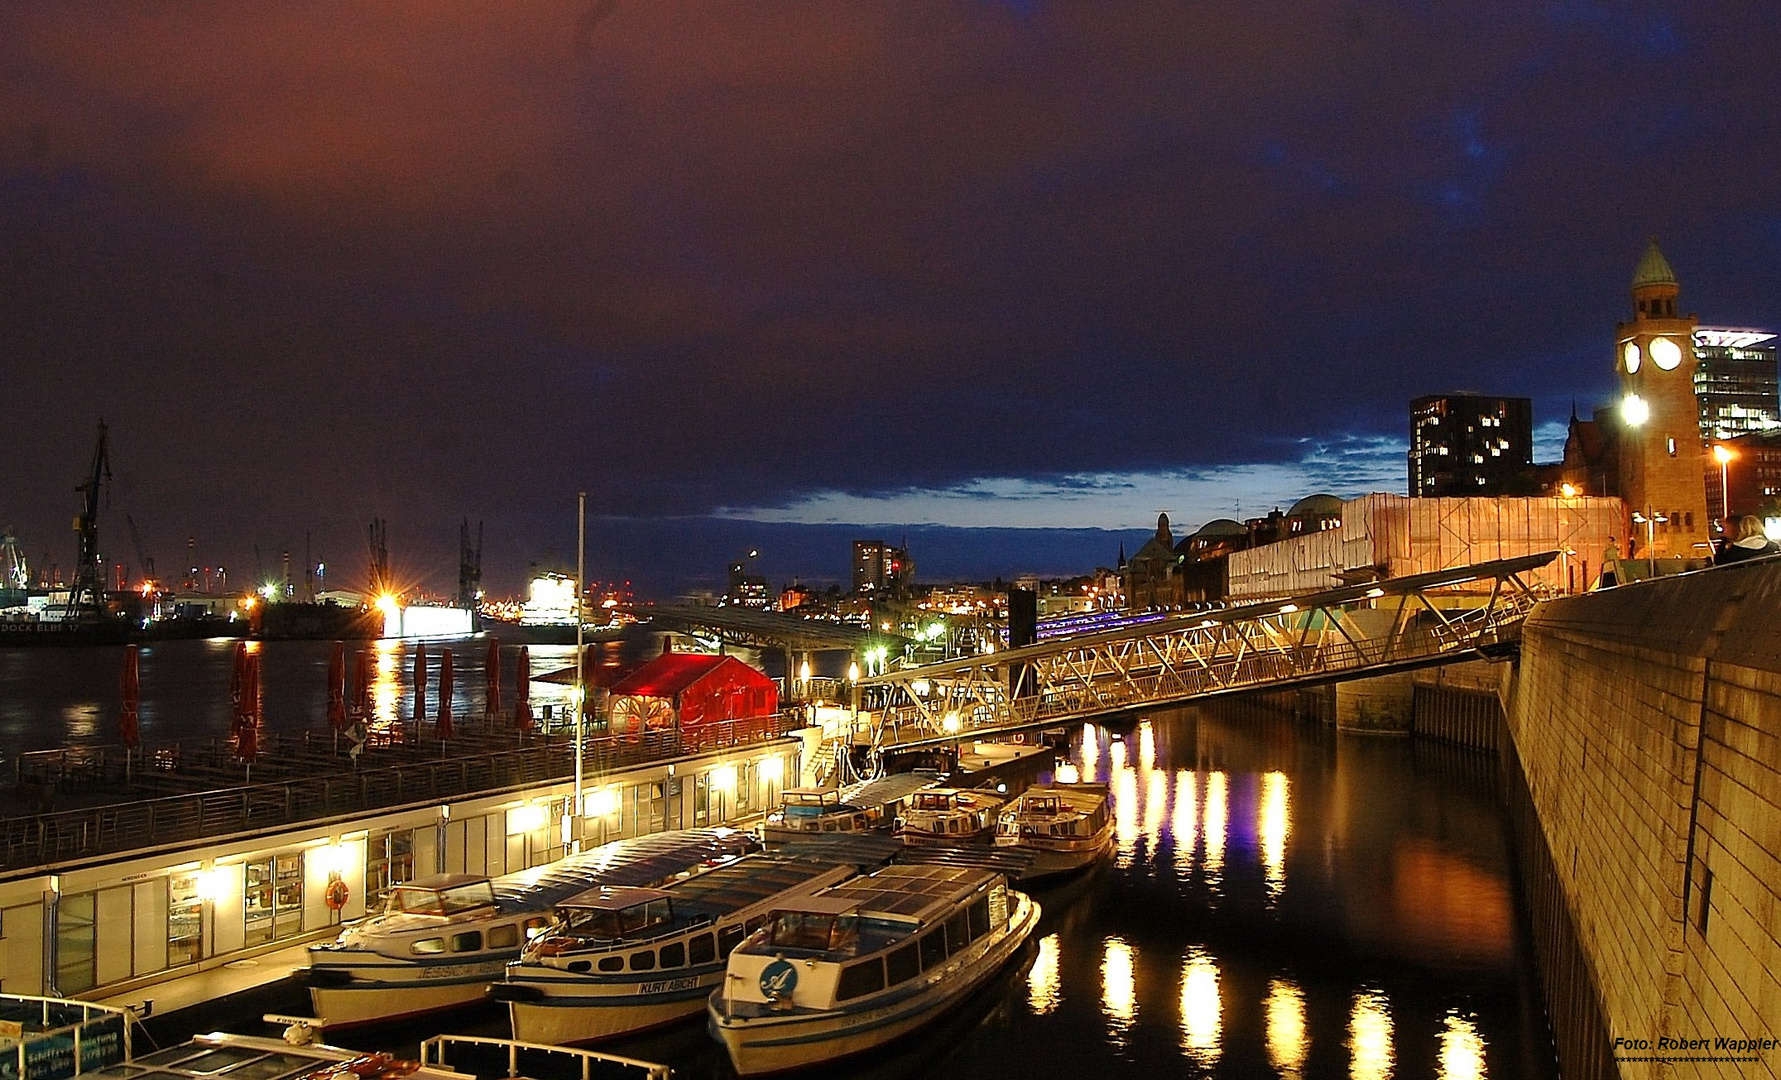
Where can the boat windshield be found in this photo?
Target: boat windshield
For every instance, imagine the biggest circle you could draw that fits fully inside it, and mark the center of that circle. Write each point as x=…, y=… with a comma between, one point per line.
x=1042, y=804
x=615, y=923
x=811, y=803
x=412, y=900
x=937, y=802
x=817, y=931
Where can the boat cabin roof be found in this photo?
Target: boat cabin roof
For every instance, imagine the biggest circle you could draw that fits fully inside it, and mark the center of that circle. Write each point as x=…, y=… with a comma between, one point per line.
x=816, y=795
x=642, y=860
x=819, y=905
x=442, y=881
x=919, y=892
x=442, y=894
x=887, y=789
x=612, y=898
x=935, y=799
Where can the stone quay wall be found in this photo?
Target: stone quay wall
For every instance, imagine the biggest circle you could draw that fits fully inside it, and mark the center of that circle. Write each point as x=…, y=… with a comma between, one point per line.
x=1645, y=742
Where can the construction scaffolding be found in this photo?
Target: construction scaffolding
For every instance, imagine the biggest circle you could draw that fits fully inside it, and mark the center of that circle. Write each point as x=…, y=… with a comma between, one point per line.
x=1391, y=536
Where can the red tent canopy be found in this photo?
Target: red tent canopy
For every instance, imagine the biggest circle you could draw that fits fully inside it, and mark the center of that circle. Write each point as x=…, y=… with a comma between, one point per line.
x=705, y=689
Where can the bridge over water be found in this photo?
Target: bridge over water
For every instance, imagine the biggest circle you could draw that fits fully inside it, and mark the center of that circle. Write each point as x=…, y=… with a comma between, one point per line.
x=1354, y=632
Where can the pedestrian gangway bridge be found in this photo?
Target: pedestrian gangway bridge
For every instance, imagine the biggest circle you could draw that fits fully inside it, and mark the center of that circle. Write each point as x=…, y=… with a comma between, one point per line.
x=1354, y=632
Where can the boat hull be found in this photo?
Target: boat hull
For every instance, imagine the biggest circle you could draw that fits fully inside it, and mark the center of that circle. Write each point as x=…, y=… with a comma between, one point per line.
x=1051, y=863
x=770, y=1044
x=378, y=995
x=580, y=1012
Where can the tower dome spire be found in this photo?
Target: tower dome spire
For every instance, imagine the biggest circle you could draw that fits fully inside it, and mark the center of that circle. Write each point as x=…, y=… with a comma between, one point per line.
x=1653, y=269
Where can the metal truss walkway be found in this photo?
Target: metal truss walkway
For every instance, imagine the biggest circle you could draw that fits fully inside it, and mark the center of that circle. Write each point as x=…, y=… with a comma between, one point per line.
x=1354, y=632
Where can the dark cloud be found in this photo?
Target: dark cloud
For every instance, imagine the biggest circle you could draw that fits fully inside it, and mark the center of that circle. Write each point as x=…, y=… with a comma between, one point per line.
x=328, y=261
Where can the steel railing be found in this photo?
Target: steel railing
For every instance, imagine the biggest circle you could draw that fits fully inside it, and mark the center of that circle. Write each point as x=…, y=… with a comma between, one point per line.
x=44, y=839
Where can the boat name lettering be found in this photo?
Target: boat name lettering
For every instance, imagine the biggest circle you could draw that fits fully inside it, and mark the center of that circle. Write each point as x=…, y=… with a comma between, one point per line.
x=667, y=986
x=452, y=971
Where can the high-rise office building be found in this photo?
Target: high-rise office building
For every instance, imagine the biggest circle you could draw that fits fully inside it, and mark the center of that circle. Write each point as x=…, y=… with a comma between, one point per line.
x=1735, y=382
x=1470, y=444
x=879, y=567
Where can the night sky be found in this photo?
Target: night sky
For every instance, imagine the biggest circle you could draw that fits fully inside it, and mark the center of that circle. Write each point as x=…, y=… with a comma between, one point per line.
x=779, y=274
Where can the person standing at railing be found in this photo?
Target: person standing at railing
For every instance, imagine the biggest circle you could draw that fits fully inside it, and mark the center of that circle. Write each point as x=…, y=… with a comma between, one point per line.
x=1610, y=564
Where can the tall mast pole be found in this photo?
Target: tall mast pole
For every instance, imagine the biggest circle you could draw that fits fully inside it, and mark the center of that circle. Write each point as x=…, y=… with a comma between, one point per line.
x=580, y=655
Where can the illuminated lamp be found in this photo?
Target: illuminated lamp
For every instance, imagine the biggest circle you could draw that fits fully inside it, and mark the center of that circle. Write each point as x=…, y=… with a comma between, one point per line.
x=525, y=819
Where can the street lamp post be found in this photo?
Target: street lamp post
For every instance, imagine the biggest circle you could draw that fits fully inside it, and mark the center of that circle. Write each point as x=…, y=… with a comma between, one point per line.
x=1724, y=454
x=1650, y=521
x=580, y=653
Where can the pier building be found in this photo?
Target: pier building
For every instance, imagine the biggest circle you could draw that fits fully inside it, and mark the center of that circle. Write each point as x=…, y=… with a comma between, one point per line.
x=110, y=907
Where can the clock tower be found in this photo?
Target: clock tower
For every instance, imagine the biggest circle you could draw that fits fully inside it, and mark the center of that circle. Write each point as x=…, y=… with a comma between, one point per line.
x=1662, y=455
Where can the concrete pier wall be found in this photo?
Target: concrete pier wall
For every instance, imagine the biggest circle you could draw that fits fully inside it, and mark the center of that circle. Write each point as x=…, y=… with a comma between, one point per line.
x=1646, y=740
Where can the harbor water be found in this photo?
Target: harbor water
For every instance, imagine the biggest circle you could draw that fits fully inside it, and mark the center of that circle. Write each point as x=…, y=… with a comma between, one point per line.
x=1283, y=902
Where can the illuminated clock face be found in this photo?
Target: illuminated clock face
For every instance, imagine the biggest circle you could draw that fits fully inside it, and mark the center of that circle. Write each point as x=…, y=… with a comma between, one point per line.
x=1631, y=354
x=1665, y=353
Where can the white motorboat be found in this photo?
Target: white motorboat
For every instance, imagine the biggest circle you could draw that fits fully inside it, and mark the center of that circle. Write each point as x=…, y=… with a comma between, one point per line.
x=621, y=960
x=440, y=941
x=949, y=816
x=865, y=962
x=1066, y=826
x=865, y=807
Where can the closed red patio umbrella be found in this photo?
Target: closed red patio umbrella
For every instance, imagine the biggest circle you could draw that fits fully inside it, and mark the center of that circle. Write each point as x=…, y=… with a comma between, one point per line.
x=522, y=691
x=362, y=686
x=337, y=688
x=420, y=684
x=247, y=732
x=129, y=733
x=237, y=684
x=491, y=668
x=443, y=727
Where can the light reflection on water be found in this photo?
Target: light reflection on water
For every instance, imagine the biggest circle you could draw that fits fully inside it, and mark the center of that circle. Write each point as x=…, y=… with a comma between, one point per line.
x=1370, y=1053
x=1125, y=813
x=1043, y=984
x=1287, y=1042
x=1304, y=858
x=1184, y=822
x=1214, y=816
x=1119, y=993
x=1462, y=1049
x=1272, y=828
x=56, y=697
x=1200, y=1010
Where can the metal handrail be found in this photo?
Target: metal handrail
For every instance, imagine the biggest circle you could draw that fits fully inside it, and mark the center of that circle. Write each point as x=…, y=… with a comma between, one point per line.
x=44, y=839
x=1257, y=665
x=433, y=1053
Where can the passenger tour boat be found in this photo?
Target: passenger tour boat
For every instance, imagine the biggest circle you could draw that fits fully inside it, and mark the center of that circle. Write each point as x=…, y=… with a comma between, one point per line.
x=860, y=964
x=949, y=815
x=1066, y=826
x=870, y=806
x=619, y=960
x=440, y=941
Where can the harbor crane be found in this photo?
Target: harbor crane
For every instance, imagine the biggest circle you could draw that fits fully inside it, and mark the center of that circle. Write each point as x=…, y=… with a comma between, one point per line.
x=143, y=561
x=87, y=595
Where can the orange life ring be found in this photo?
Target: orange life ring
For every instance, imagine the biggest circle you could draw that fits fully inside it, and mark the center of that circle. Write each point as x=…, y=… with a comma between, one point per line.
x=337, y=894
